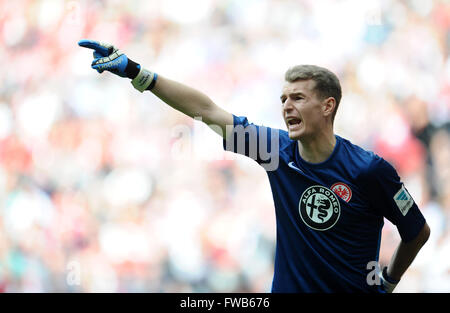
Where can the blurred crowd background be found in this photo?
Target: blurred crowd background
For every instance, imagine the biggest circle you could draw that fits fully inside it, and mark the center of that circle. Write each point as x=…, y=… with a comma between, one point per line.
x=105, y=189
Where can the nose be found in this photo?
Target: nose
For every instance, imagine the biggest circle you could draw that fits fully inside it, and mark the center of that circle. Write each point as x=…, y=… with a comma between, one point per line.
x=287, y=106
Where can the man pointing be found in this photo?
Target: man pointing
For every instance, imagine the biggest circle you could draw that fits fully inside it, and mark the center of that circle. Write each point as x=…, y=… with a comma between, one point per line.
x=330, y=196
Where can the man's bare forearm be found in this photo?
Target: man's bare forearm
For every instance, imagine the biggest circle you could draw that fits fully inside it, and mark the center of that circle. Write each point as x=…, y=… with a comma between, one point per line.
x=405, y=254
x=181, y=97
x=192, y=103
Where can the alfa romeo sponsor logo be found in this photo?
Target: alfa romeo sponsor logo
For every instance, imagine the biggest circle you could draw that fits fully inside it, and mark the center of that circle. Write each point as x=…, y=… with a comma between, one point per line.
x=319, y=208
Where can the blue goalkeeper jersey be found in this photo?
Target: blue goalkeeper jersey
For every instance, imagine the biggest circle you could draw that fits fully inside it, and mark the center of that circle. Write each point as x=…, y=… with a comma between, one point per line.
x=329, y=215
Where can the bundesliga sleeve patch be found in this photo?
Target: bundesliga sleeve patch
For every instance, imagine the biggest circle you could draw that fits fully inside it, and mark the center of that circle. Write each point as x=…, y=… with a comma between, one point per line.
x=403, y=200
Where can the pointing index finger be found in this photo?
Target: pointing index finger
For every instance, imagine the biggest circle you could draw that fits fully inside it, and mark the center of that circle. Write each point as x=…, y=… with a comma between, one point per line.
x=91, y=44
x=97, y=46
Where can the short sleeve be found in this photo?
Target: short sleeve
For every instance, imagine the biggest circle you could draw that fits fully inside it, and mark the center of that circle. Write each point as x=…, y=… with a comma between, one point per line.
x=259, y=143
x=390, y=198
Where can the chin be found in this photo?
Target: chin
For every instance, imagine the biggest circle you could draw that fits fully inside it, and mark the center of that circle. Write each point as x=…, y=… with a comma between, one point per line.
x=295, y=135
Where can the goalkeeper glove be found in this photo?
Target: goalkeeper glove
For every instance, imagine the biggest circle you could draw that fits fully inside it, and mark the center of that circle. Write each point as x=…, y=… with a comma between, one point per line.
x=109, y=58
x=388, y=283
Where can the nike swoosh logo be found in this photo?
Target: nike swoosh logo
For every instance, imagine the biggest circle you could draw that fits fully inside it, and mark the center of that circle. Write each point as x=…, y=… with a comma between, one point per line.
x=291, y=165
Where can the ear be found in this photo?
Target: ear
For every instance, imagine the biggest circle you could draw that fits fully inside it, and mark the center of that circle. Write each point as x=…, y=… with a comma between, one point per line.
x=328, y=106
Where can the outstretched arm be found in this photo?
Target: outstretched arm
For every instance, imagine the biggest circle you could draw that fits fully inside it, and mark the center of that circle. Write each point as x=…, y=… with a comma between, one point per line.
x=179, y=96
x=192, y=103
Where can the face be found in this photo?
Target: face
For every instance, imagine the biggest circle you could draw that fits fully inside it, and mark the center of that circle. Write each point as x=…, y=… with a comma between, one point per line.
x=303, y=111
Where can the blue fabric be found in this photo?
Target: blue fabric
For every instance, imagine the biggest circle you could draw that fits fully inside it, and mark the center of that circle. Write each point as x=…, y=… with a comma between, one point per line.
x=325, y=238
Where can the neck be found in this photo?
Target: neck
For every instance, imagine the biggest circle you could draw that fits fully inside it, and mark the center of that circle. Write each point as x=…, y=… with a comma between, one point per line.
x=318, y=148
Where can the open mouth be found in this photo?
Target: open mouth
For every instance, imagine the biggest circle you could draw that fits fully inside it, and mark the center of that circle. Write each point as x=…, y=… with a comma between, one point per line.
x=294, y=123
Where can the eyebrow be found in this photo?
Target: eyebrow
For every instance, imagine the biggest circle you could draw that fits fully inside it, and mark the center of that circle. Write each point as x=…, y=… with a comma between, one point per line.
x=294, y=94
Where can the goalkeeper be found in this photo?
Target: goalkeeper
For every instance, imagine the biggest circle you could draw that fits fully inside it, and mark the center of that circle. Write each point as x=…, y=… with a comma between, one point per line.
x=330, y=196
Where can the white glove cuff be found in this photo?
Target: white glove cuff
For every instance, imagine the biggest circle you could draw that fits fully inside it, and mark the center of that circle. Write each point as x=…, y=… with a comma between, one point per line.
x=143, y=79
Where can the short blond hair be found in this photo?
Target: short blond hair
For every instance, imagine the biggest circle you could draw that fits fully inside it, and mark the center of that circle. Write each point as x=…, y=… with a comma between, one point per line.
x=327, y=83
